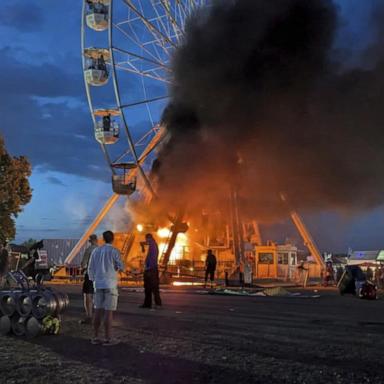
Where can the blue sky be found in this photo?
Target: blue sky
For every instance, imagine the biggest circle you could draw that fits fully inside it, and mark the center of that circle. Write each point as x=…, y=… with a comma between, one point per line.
x=45, y=116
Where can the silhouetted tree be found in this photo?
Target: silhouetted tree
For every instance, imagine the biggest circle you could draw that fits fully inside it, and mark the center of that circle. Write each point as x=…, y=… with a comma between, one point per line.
x=15, y=191
x=28, y=243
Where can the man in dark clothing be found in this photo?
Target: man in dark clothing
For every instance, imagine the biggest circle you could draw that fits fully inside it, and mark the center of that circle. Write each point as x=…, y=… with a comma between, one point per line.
x=88, y=290
x=4, y=263
x=210, y=267
x=151, y=273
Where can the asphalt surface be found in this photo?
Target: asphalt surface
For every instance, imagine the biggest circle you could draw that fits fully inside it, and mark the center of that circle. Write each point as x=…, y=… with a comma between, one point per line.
x=203, y=338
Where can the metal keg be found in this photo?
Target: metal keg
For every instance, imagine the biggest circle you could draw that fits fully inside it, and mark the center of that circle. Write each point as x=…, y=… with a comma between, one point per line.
x=33, y=327
x=5, y=325
x=7, y=302
x=18, y=324
x=62, y=300
x=24, y=303
x=44, y=303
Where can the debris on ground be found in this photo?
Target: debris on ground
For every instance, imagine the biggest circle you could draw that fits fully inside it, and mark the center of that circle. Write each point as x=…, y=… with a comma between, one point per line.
x=273, y=291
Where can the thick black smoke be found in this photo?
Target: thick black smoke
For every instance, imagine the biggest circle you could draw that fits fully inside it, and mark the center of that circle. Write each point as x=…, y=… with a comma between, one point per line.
x=259, y=103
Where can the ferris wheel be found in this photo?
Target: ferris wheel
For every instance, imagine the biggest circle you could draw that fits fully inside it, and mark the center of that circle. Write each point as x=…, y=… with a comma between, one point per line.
x=127, y=47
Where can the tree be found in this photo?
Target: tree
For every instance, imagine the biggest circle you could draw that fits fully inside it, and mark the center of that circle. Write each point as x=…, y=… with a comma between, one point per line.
x=28, y=243
x=15, y=191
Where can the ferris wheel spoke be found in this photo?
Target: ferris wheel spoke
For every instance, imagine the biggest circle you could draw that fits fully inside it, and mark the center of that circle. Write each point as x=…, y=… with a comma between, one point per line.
x=120, y=157
x=158, y=19
x=155, y=62
x=176, y=27
x=150, y=43
x=151, y=132
x=164, y=19
x=154, y=135
x=136, y=41
x=194, y=3
x=155, y=48
x=107, y=157
x=151, y=27
x=182, y=8
x=144, y=102
x=142, y=73
x=147, y=105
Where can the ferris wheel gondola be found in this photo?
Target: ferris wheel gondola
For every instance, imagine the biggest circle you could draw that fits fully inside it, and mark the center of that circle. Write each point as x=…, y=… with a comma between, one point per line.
x=96, y=14
x=107, y=128
x=95, y=70
x=126, y=79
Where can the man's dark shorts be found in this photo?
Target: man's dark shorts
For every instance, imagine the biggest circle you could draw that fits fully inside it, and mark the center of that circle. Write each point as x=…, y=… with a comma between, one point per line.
x=87, y=285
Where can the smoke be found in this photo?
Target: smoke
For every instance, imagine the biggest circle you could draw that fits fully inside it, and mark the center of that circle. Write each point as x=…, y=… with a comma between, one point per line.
x=260, y=105
x=375, y=52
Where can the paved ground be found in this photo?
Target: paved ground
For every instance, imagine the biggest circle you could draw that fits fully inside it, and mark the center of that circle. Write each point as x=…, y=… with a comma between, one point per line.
x=200, y=338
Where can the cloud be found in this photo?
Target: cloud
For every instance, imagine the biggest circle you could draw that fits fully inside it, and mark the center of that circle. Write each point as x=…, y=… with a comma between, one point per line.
x=56, y=135
x=43, y=79
x=46, y=118
x=55, y=180
x=22, y=17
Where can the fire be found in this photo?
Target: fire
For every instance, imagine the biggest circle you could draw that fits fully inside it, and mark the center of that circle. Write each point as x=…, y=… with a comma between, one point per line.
x=163, y=233
x=140, y=227
x=181, y=247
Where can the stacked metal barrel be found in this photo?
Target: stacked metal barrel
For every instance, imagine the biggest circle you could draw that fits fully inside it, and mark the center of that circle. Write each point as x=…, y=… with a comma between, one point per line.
x=30, y=312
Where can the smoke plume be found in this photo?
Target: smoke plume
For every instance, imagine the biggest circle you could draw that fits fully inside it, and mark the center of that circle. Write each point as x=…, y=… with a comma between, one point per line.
x=260, y=104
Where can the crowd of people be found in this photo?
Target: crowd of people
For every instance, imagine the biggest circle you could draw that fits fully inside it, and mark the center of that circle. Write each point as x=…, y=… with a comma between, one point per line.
x=101, y=265
x=374, y=274
x=378, y=276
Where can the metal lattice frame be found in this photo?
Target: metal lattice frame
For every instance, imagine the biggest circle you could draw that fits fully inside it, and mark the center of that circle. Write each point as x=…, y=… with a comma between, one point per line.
x=140, y=37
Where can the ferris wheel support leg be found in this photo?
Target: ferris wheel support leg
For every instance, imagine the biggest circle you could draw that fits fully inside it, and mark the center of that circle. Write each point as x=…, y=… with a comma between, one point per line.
x=304, y=233
x=106, y=208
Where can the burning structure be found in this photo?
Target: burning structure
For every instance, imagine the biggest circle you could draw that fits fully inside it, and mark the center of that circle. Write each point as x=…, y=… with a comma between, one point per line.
x=261, y=108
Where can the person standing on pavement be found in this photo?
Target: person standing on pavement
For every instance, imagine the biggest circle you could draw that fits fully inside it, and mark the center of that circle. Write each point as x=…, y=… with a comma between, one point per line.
x=369, y=274
x=88, y=290
x=210, y=267
x=104, y=263
x=4, y=264
x=302, y=274
x=151, y=273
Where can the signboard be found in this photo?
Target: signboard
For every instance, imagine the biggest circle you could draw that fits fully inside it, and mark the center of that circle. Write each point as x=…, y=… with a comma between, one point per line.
x=42, y=261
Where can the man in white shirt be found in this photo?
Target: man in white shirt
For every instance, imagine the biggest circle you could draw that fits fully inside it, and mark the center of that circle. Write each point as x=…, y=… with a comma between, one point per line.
x=103, y=266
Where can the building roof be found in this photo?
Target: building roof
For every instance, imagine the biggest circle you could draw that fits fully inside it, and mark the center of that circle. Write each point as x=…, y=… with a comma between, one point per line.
x=358, y=257
x=59, y=249
x=364, y=255
x=339, y=258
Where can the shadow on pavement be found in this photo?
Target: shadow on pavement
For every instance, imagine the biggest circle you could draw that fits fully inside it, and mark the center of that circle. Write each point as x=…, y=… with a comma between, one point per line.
x=124, y=360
